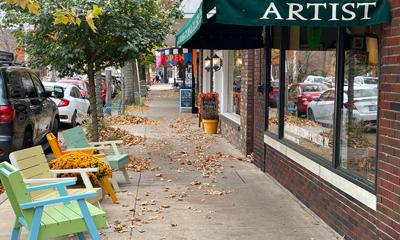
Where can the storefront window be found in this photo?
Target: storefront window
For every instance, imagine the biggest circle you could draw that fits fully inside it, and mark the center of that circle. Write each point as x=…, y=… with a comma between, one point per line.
x=273, y=95
x=310, y=100
x=360, y=105
x=331, y=120
x=237, y=81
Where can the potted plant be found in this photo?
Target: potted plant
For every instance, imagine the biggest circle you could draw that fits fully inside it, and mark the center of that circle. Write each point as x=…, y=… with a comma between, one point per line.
x=209, y=105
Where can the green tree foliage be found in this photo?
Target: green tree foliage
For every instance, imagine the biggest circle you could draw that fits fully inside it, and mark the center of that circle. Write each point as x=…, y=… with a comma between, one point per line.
x=112, y=33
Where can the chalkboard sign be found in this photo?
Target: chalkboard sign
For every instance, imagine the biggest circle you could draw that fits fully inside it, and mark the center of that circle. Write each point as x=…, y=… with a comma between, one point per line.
x=209, y=107
x=185, y=99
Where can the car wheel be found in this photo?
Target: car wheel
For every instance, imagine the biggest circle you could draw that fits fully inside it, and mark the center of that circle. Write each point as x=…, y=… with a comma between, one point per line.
x=73, y=120
x=55, y=127
x=310, y=115
x=28, y=139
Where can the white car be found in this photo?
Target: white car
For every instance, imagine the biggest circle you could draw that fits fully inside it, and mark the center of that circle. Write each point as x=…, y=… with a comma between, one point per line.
x=315, y=79
x=364, y=81
x=365, y=107
x=72, y=106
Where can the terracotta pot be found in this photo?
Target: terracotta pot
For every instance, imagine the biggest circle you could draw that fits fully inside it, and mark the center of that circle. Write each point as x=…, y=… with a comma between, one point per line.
x=210, y=126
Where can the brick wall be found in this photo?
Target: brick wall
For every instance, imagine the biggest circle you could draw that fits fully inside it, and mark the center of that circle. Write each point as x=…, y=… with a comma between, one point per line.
x=231, y=131
x=247, y=102
x=388, y=177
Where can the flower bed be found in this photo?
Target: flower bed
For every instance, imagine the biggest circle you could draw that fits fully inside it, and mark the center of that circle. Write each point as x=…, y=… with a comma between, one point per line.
x=77, y=160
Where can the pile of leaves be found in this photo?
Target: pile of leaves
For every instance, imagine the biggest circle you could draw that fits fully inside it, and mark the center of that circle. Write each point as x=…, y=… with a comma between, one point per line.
x=138, y=164
x=130, y=120
x=76, y=160
x=110, y=134
x=292, y=120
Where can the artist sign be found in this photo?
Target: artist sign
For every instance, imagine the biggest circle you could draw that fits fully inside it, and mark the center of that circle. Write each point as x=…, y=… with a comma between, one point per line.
x=328, y=13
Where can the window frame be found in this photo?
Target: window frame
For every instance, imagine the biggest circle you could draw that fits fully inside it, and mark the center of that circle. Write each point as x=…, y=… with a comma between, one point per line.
x=334, y=164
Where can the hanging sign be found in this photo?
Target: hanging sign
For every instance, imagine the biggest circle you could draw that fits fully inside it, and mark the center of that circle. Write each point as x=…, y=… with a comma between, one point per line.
x=328, y=13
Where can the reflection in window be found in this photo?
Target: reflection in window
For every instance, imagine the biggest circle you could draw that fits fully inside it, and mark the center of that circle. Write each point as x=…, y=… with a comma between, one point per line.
x=360, y=105
x=310, y=101
x=273, y=94
x=237, y=81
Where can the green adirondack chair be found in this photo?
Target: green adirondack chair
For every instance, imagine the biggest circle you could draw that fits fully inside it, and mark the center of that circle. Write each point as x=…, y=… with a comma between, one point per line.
x=34, y=168
x=76, y=138
x=53, y=217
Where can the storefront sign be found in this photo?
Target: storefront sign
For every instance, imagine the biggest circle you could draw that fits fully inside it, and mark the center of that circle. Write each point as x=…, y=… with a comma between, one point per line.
x=328, y=13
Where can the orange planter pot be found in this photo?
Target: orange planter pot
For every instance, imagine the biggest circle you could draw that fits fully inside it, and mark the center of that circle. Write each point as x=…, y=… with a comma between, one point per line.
x=210, y=126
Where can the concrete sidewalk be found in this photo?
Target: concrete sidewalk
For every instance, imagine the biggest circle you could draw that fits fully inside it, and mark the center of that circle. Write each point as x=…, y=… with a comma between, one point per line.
x=197, y=189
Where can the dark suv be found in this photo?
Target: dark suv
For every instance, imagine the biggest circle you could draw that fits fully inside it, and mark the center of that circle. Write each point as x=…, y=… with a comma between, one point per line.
x=26, y=112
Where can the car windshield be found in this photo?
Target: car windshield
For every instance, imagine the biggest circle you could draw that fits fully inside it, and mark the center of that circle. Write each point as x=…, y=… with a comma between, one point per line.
x=314, y=88
x=364, y=93
x=319, y=79
x=51, y=88
x=370, y=80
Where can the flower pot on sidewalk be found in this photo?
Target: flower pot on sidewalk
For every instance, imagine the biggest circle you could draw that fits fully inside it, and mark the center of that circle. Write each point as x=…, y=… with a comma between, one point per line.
x=210, y=126
x=208, y=109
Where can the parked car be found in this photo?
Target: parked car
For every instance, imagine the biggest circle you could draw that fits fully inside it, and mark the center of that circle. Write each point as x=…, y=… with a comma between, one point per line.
x=301, y=94
x=365, y=106
x=315, y=79
x=83, y=85
x=73, y=107
x=366, y=81
x=27, y=114
x=274, y=94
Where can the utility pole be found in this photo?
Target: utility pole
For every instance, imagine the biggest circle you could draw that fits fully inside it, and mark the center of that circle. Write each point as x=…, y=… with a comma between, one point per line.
x=211, y=73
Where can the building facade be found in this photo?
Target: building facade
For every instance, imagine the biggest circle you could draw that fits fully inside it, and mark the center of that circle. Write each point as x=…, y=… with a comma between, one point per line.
x=319, y=108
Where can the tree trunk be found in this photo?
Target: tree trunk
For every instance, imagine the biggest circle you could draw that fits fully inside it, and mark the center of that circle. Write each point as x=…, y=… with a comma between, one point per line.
x=132, y=83
x=92, y=99
x=99, y=99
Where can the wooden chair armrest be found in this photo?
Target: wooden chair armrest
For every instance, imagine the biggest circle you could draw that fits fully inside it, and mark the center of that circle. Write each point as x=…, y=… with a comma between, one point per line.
x=76, y=170
x=82, y=171
x=52, y=185
x=106, y=143
x=63, y=199
x=84, y=150
x=47, y=180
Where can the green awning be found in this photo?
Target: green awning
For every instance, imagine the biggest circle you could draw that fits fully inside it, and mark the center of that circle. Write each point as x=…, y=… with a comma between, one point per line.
x=203, y=32
x=237, y=24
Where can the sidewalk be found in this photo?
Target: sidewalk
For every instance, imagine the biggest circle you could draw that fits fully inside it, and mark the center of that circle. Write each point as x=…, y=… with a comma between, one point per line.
x=197, y=189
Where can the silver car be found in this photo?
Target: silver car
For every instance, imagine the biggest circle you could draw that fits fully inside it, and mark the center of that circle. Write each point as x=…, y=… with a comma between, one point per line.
x=365, y=106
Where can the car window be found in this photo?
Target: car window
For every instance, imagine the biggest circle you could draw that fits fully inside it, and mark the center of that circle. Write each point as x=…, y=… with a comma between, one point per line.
x=38, y=85
x=15, y=88
x=314, y=88
x=362, y=93
x=75, y=93
x=328, y=96
x=30, y=91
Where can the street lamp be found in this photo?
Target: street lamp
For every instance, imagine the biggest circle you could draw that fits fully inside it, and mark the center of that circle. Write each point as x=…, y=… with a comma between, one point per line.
x=217, y=62
x=207, y=63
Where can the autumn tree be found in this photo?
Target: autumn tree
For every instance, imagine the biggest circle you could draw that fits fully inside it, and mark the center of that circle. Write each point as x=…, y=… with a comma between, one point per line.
x=82, y=36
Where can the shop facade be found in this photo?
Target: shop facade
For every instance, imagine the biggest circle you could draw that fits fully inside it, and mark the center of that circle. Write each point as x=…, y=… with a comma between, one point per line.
x=320, y=107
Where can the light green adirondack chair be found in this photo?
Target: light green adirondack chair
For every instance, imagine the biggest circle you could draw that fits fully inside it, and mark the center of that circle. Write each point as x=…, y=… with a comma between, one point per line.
x=34, y=168
x=53, y=217
x=76, y=138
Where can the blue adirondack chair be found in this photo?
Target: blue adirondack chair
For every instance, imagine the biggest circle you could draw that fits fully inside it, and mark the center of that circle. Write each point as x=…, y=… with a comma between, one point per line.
x=50, y=218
